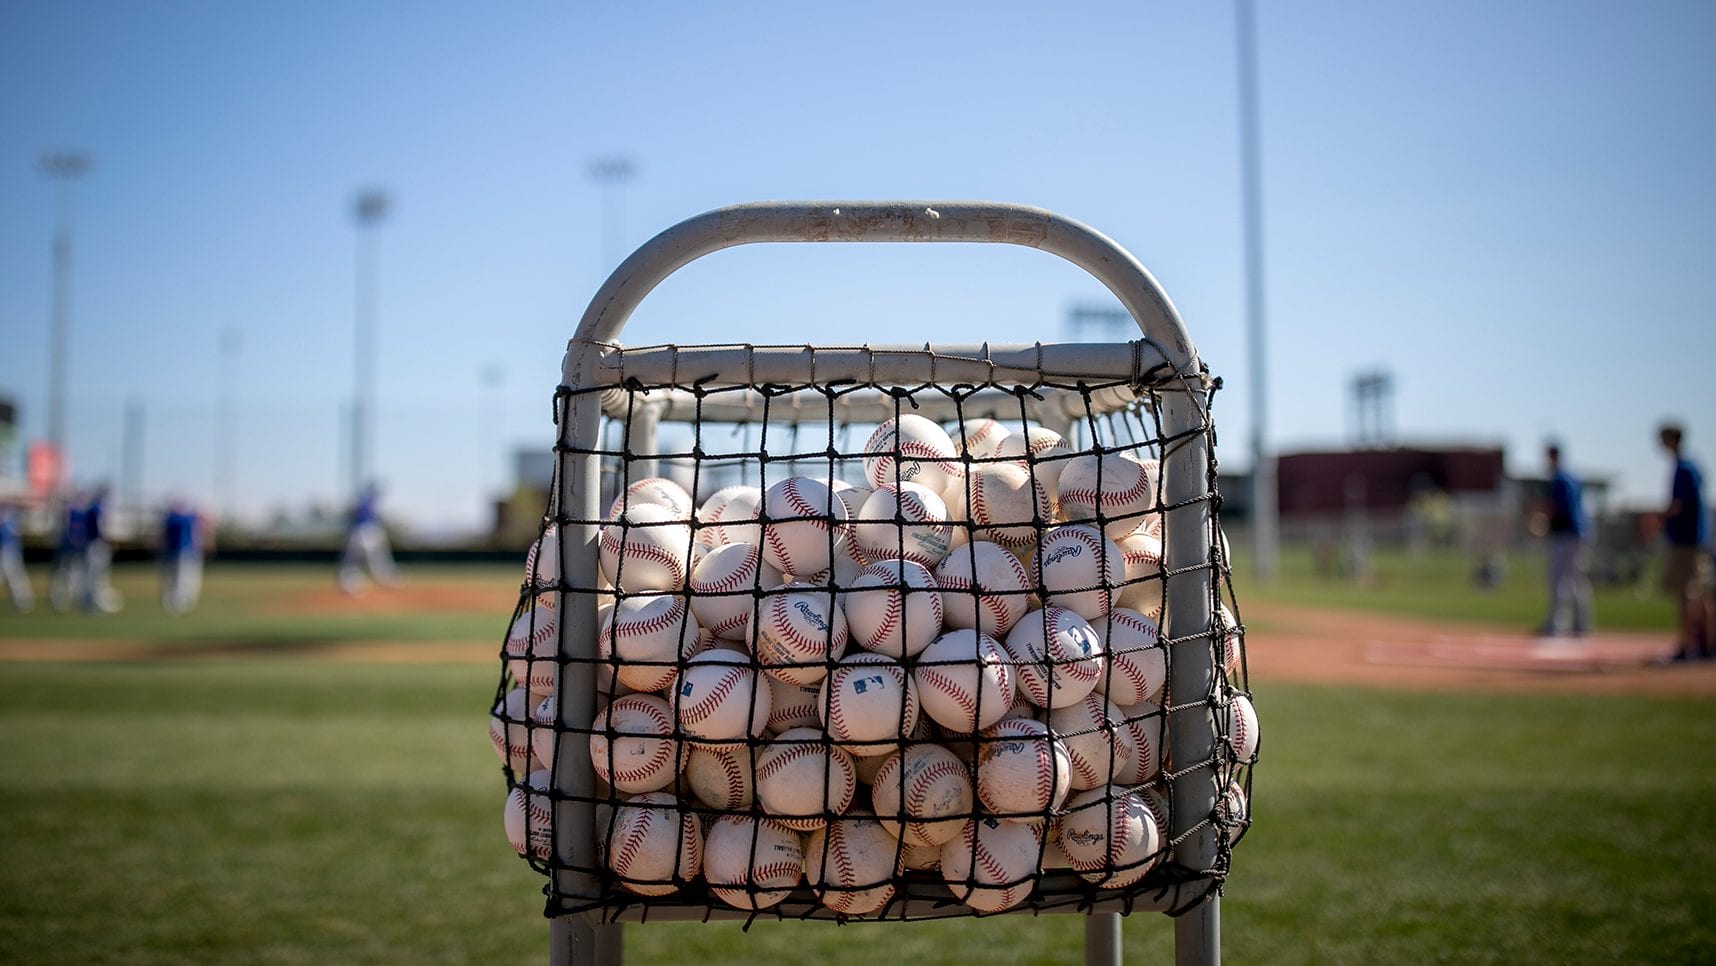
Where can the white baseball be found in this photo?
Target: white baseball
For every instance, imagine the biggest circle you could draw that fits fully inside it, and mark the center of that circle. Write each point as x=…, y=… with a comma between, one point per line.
x=632, y=746
x=1048, y=455
x=908, y=522
x=646, y=636
x=1079, y=569
x=1232, y=812
x=1109, y=486
x=922, y=857
x=1001, y=502
x=736, y=520
x=991, y=865
x=868, y=765
x=964, y=681
x=919, y=452
x=655, y=845
x=1110, y=836
x=922, y=794
x=1240, y=728
x=724, y=586
x=718, y=699
x=712, y=530
x=869, y=703
x=793, y=705
x=1057, y=657
x=752, y=863
x=984, y=587
x=1141, y=557
x=509, y=731
x=1232, y=638
x=542, y=560
x=544, y=735
x=1148, y=728
x=1023, y=772
x=646, y=548
x=893, y=608
x=799, y=633
x=658, y=490
x=801, y=780
x=529, y=817
x=804, y=524
x=531, y=648
x=851, y=864
x=1137, y=666
x=980, y=437
x=1099, y=745
x=720, y=777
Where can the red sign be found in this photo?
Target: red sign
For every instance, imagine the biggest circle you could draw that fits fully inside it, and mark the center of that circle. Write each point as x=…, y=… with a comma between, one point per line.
x=44, y=468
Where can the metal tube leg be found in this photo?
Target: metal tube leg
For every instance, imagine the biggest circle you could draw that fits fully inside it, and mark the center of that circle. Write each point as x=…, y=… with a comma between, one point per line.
x=610, y=945
x=1197, y=935
x=1102, y=939
x=571, y=941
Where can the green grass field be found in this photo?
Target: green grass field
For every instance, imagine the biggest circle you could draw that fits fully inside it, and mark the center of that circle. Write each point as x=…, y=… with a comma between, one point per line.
x=290, y=811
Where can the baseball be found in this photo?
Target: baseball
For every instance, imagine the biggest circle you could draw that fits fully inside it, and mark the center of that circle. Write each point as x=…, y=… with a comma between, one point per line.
x=1232, y=635
x=1147, y=727
x=984, y=588
x=720, y=777
x=1099, y=745
x=1141, y=560
x=804, y=520
x=1057, y=657
x=922, y=794
x=869, y=703
x=1023, y=772
x=508, y=731
x=1232, y=812
x=801, y=780
x=924, y=857
x=980, y=437
x=655, y=845
x=711, y=528
x=752, y=863
x=909, y=522
x=1110, y=836
x=991, y=865
x=1240, y=727
x=542, y=561
x=1001, y=503
x=1048, y=455
x=919, y=452
x=529, y=817
x=718, y=699
x=646, y=548
x=793, y=705
x=531, y=649
x=851, y=864
x=964, y=682
x=798, y=634
x=1107, y=487
x=658, y=490
x=646, y=636
x=1137, y=666
x=893, y=608
x=723, y=588
x=544, y=739
x=632, y=746
x=736, y=519
x=1078, y=568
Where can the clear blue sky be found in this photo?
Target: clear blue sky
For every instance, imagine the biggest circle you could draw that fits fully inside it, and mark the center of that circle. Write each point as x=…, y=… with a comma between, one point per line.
x=1509, y=206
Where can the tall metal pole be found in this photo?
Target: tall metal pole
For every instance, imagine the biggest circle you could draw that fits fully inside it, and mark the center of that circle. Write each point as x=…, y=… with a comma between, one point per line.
x=368, y=209
x=226, y=414
x=1263, y=507
x=612, y=174
x=131, y=457
x=64, y=167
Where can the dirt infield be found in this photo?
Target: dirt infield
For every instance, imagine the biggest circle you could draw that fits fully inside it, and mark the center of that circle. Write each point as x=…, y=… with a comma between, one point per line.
x=1287, y=643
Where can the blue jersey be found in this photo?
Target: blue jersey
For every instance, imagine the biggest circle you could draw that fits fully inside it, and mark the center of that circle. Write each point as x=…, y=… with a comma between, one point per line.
x=74, y=531
x=1566, y=505
x=92, y=519
x=179, y=533
x=8, y=528
x=1687, y=526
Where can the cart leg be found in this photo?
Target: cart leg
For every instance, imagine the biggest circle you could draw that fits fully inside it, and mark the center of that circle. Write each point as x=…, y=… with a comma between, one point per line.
x=1197, y=935
x=577, y=941
x=1102, y=939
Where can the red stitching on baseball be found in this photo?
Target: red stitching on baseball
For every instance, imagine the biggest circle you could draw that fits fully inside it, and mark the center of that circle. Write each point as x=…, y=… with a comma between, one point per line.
x=703, y=708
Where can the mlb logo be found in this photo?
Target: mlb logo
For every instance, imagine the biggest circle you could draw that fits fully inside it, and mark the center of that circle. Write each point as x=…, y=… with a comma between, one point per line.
x=864, y=684
x=685, y=689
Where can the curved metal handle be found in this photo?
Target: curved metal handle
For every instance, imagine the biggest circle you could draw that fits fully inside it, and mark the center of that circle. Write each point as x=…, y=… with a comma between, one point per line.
x=890, y=221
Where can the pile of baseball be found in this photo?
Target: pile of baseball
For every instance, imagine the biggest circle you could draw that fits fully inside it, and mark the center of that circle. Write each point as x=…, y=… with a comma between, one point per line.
x=955, y=666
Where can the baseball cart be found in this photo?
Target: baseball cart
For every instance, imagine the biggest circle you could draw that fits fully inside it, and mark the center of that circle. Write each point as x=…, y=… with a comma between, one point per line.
x=879, y=633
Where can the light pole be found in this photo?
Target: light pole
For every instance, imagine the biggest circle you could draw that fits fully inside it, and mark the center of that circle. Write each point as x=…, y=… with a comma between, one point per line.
x=612, y=173
x=1263, y=509
x=64, y=167
x=492, y=375
x=226, y=410
x=368, y=209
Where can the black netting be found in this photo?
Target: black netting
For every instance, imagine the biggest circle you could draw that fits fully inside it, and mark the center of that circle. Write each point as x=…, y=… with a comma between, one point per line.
x=901, y=668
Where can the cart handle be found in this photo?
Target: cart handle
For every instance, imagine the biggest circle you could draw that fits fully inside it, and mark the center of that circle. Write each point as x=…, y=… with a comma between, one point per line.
x=890, y=221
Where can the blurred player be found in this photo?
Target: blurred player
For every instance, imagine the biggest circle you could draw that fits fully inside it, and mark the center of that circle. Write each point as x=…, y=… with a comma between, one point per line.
x=366, y=548
x=1687, y=576
x=181, y=558
x=71, y=564
x=12, y=560
x=99, y=592
x=1569, y=553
